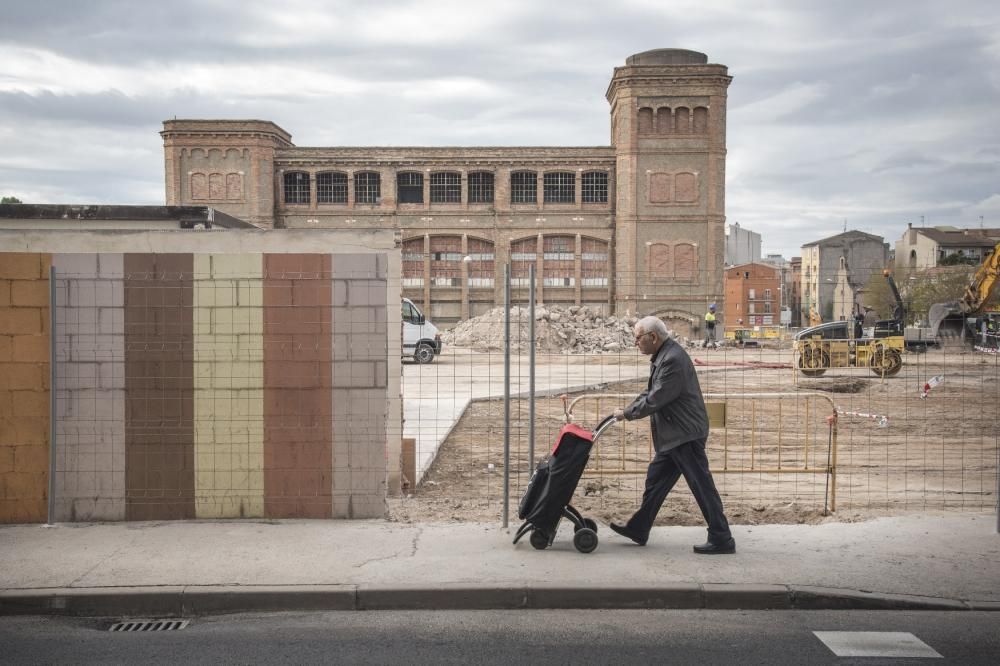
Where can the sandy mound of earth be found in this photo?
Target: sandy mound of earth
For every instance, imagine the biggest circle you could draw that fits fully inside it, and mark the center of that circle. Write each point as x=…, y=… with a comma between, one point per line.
x=570, y=330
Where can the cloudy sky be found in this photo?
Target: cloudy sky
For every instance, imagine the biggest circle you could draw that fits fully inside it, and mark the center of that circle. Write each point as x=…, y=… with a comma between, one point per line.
x=872, y=114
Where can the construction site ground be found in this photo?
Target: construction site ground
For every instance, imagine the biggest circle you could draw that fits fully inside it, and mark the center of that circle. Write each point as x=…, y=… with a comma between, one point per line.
x=934, y=453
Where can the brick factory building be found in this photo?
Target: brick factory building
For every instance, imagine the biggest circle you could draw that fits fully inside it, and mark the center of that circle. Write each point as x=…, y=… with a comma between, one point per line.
x=636, y=226
x=752, y=296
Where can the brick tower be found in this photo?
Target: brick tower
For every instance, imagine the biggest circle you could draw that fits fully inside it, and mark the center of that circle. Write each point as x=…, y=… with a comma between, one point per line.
x=668, y=131
x=225, y=164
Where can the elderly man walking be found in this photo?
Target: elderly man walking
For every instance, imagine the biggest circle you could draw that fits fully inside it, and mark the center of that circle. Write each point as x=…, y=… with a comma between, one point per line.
x=679, y=422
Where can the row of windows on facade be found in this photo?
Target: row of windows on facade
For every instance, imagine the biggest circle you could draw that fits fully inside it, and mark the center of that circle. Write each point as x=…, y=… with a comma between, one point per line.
x=446, y=187
x=680, y=120
x=752, y=308
x=444, y=259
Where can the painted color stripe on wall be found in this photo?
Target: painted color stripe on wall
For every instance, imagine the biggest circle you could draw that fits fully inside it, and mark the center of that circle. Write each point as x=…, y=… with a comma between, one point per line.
x=159, y=387
x=228, y=381
x=90, y=383
x=24, y=387
x=297, y=386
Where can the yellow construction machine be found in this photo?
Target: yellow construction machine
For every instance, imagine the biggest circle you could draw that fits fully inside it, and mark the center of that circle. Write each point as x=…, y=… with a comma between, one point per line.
x=967, y=319
x=846, y=344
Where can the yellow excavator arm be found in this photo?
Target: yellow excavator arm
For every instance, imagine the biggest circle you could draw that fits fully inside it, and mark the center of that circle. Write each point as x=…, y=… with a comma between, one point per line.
x=980, y=290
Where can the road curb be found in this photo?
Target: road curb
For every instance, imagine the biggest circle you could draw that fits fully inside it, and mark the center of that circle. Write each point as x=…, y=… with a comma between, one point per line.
x=194, y=600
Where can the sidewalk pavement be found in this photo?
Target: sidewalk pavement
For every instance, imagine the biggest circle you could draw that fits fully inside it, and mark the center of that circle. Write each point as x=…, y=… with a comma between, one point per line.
x=927, y=561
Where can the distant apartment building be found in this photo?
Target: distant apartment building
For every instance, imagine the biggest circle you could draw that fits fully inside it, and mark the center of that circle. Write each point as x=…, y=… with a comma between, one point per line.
x=752, y=296
x=742, y=245
x=794, y=284
x=835, y=270
x=921, y=248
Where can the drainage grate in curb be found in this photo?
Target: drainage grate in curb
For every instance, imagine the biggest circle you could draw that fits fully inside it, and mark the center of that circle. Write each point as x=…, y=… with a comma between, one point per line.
x=149, y=625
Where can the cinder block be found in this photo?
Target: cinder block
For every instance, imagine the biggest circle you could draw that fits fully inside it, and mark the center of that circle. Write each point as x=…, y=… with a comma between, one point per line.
x=29, y=293
x=72, y=266
x=30, y=403
x=6, y=347
x=31, y=458
x=354, y=266
x=111, y=321
x=22, y=377
x=31, y=348
x=4, y=293
x=111, y=266
x=6, y=457
x=20, y=265
x=21, y=321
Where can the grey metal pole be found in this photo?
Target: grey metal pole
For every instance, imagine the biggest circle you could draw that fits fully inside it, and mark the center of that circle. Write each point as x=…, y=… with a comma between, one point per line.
x=506, y=393
x=531, y=367
x=52, y=394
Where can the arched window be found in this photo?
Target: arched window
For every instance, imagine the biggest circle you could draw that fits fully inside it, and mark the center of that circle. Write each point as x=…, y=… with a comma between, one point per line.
x=367, y=187
x=413, y=262
x=594, y=266
x=660, y=261
x=331, y=188
x=700, y=120
x=645, y=120
x=446, y=187
x=480, y=187
x=217, y=186
x=559, y=261
x=410, y=187
x=234, y=186
x=446, y=261
x=523, y=253
x=682, y=120
x=296, y=187
x=199, y=186
x=560, y=187
x=481, y=263
x=685, y=261
x=685, y=187
x=595, y=187
x=523, y=187
x=664, y=120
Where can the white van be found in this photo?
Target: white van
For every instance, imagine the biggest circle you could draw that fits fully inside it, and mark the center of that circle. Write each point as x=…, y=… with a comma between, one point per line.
x=421, y=338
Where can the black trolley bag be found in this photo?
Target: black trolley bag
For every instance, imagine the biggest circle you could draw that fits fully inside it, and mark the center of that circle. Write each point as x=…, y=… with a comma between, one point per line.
x=547, y=498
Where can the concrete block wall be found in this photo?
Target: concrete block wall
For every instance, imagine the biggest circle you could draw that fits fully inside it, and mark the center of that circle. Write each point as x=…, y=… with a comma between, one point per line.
x=90, y=387
x=206, y=385
x=24, y=386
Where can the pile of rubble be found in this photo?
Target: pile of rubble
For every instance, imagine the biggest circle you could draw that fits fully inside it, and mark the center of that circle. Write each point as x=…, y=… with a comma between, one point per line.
x=569, y=330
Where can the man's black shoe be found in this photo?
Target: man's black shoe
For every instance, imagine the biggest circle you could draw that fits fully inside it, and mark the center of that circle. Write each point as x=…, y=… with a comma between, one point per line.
x=724, y=548
x=628, y=533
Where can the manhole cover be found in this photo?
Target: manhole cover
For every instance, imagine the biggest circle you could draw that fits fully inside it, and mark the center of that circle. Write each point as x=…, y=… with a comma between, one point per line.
x=149, y=625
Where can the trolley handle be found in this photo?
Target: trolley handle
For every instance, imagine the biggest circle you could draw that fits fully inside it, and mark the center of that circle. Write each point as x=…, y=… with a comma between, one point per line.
x=606, y=423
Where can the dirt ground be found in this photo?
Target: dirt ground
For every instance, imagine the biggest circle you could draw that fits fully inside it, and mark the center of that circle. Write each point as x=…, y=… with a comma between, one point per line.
x=771, y=456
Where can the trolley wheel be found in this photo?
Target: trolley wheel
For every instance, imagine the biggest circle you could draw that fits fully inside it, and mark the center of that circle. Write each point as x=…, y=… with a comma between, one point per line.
x=590, y=524
x=585, y=540
x=539, y=540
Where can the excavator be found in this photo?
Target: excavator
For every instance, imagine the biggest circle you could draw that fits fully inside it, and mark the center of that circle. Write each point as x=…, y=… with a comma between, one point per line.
x=966, y=318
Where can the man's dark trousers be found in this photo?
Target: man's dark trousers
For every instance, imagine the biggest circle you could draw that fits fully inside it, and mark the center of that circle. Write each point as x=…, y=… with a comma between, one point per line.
x=690, y=460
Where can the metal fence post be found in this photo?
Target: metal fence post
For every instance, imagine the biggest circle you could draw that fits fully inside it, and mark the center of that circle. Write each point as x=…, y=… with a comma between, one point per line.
x=531, y=367
x=52, y=394
x=506, y=393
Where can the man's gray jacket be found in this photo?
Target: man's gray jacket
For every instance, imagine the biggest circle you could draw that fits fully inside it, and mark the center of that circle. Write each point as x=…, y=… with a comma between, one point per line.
x=672, y=400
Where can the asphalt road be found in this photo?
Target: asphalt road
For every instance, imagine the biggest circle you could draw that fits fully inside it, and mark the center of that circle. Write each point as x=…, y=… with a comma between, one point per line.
x=503, y=637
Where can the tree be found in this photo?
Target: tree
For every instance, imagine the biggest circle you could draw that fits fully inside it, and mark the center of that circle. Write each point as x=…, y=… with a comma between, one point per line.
x=919, y=289
x=6, y=200
x=957, y=259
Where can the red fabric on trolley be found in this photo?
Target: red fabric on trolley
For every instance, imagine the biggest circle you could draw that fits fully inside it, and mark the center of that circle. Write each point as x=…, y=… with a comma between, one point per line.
x=573, y=429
